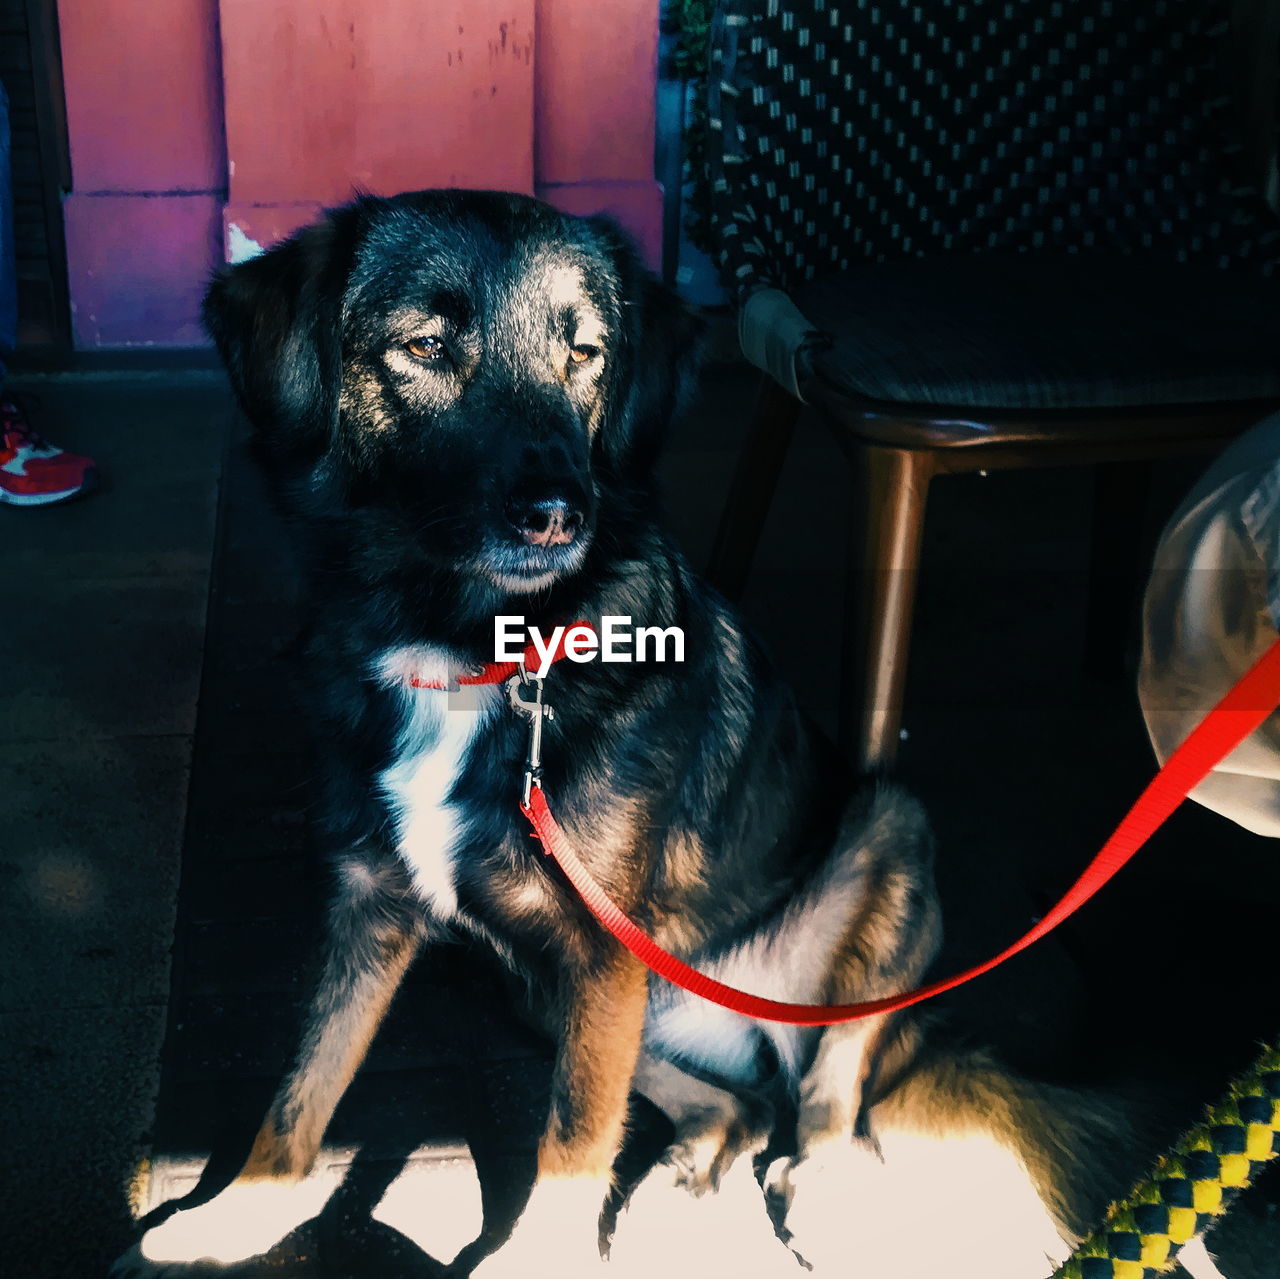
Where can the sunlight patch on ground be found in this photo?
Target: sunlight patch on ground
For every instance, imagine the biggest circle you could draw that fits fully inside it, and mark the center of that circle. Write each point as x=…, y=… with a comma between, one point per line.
x=666, y=1231
x=961, y=1207
x=1197, y=1262
x=436, y=1203
x=65, y=884
x=243, y=1221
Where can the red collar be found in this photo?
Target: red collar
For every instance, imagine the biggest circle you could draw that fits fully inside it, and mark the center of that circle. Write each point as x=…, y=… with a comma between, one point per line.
x=497, y=672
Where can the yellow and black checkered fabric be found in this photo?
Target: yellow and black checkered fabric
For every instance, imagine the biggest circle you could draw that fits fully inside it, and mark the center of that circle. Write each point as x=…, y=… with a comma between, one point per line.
x=1191, y=1185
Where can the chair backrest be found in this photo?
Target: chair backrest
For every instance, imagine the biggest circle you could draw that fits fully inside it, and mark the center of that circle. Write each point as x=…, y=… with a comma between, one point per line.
x=865, y=130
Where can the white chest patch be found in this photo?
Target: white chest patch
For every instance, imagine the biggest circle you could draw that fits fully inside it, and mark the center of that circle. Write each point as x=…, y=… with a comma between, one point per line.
x=435, y=740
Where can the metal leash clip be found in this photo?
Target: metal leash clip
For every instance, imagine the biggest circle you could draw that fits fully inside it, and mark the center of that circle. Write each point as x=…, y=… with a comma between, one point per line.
x=536, y=711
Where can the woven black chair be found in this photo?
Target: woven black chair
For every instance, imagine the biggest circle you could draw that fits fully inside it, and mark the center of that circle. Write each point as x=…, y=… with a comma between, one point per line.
x=978, y=234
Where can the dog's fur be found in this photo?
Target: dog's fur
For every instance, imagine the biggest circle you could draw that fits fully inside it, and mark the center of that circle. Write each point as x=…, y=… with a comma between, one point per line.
x=412, y=367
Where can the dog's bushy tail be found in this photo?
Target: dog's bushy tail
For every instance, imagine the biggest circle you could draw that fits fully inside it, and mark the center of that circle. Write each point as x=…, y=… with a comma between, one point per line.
x=1082, y=1149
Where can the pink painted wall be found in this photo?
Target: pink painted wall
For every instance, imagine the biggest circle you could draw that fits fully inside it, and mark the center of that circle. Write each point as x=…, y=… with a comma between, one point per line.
x=138, y=266
x=199, y=126
x=144, y=115
x=596, y=77
x=389, y=96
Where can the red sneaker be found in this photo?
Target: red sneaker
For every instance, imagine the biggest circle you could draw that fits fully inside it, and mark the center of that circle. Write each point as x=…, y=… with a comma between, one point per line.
x=34, y=472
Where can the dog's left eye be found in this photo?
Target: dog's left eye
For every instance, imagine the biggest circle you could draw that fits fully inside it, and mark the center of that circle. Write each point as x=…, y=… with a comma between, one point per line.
x=581, y=354
x=425, y=348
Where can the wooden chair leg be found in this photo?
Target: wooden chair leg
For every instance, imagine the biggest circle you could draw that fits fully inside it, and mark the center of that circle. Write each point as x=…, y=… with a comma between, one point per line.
x=751, y=491
x=891, y=490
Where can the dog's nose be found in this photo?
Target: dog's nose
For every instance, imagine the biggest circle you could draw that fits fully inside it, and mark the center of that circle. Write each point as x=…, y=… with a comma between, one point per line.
x=549, y=521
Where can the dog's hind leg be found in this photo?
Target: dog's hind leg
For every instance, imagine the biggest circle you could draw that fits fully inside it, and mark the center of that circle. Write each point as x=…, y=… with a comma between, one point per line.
x=891, y=930
x=713, y=1126
x=885, y=954
x=833, y=1129
x=374, y=933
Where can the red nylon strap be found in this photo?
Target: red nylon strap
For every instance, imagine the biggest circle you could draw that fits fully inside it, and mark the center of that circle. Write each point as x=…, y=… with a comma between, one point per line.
x=496, y=672
x=1240, y=712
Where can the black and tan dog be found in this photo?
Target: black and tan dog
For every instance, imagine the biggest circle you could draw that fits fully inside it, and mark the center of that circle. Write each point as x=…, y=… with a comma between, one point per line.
x=459, y=398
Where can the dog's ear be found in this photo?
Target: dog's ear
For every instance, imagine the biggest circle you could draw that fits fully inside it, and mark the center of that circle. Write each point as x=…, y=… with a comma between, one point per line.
x=277, y=323
x=656, y=367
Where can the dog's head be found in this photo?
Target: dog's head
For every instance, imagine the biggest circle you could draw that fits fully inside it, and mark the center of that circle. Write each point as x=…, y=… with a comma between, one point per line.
x=474, y=380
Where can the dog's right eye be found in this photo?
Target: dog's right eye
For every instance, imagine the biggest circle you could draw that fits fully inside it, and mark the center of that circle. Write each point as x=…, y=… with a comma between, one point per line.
x=430, y=349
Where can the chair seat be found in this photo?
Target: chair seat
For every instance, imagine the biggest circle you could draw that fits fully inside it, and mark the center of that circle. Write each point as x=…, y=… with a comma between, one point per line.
x=1046, y=332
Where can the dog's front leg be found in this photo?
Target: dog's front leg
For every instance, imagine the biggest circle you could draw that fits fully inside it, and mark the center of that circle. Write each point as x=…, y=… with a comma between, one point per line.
x=601, y=1010
x=373, y=936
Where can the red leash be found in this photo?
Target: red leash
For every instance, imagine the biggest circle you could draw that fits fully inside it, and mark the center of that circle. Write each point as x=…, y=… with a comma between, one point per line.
x=1240, y=712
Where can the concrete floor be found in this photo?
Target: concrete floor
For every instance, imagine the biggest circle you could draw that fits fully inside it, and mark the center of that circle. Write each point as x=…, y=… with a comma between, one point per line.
x=101, y=640
x=155, y=790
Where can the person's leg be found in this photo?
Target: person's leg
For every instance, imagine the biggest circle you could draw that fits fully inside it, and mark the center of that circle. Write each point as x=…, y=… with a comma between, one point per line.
x=33, y=472
x=8, y=264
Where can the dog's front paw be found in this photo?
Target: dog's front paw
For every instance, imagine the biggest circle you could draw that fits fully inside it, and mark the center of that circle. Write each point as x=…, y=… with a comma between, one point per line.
x=247, y=1219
